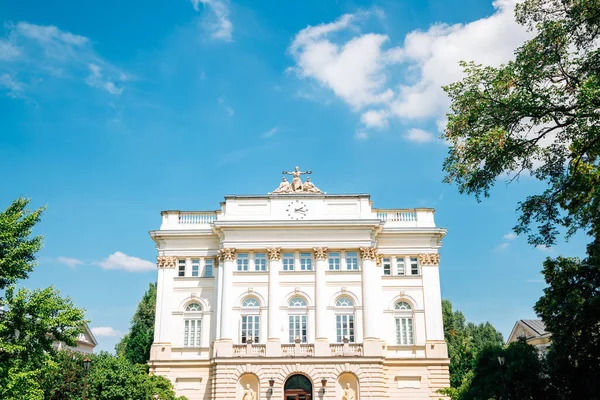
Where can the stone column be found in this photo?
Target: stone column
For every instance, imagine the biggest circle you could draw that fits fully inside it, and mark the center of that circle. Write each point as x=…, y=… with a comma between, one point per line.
x=273, y=348
x=223, y=347
x=217, y=296
x=434, y=327
x=371, y=279
x=161, y=347
x=322, y=333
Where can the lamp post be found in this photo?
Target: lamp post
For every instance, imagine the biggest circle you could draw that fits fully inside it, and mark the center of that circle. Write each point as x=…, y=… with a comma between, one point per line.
x=86, y=367
x=323, y=384
x=502, y=361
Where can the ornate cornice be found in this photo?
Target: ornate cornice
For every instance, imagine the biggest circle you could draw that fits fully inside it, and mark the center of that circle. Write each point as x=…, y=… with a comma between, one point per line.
x=429, y=259
x=227, y=254
x=274, y=254
x=320, y=253
x=368, y=253
x=166, y=262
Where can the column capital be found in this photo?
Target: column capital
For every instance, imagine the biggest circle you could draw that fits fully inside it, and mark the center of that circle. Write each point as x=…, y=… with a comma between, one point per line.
x=429, y=259
x=166, y=261
x=320, y=253
x=226, y=254
x=274, y=254
x=368, y=253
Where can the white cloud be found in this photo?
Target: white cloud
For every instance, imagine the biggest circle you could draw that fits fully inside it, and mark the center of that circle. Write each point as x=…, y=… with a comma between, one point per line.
x=544, y=248
x=70, y=262
x=40, y=55
x=95, y=79
x=8, y=51
x=13, y=88
x=357, y=68
x=270, y=133
x=361, y=134
x=510, y=236
x=375, y=118
x=120, y=260
x=502, y=246
x=105, y=331
x=217, y=23
x=418, y=136
x=228, y=109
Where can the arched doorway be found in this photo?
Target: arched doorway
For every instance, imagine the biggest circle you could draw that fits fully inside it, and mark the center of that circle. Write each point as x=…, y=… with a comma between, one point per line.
x=297, y=387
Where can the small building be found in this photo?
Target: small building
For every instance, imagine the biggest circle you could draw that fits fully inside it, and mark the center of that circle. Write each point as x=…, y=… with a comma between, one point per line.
x=86, y=341
x=534, y=332
x=300, y=295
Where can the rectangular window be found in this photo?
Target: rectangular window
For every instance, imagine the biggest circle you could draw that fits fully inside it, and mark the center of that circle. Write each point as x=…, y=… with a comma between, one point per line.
x=196, y=267
x=288, y=261
x=242, y=262
x=404, y=331
x=345, y=327
x=260, y=261
x=334, y=261
x=191, y=333
x=414, y=266
x=250, y=328
x=181, y=268
x=297, y=328
x=387, y=266
x=208, y=268
x=400, y=265
x=351, y=261
x=306, y=261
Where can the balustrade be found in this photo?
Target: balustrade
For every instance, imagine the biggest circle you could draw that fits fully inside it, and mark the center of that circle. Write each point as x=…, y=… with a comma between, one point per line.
x=197, y=217
x=397, y=215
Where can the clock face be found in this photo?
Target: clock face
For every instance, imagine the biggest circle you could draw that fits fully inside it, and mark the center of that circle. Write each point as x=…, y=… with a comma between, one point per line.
x=297, y=210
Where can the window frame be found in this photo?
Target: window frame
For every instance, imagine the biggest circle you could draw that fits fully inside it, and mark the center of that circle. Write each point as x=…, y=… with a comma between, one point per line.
x=400, y=266
x=404, y=323
x=345, y=320
x=263, y=261
x=208, y=262
x=414, y=266
x=250, y=314
x=307, y=265
x=195, y=271
x=387, y=266
x=192, y=325
x=333, y=256
x=243, y=262
x=287, y=259
x=181, y=267
x=352, y=255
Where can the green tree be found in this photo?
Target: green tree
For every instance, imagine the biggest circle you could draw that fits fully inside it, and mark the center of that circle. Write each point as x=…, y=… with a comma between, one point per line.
x=31, y=320
x=109, y=378
x=521, y=377
x=539, y=113
x=465, y=341
x=570, y=308
x=135, y=345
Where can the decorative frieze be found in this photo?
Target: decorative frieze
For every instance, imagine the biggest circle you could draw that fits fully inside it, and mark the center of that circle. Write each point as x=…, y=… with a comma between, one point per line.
x=320, y=253
x=227, y=254
x=166, y=261
x=274, y=254
x=368, y=253
x=429, y=259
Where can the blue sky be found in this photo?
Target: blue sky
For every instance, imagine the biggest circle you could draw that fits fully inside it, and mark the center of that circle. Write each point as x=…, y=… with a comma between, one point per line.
x=112, y=111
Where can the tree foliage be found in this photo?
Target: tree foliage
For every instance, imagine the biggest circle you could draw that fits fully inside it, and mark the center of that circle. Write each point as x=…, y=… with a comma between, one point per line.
x=135, y=345
x=570, y=308
x=539, y=113
x=17, y=247
x=109, y=378
x=465, y=341
x=31, y=320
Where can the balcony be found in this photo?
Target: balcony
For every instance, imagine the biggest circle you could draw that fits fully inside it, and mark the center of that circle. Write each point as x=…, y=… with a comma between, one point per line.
x=299, y=350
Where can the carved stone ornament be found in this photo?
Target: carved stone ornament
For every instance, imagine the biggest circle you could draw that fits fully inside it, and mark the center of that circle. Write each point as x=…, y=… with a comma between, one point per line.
x=320, y=253
x=227, y=254
x=379, y=260
x=297, y=186
x=274, y=254
x=368, y=253
x=166, y=262
x=429, y=259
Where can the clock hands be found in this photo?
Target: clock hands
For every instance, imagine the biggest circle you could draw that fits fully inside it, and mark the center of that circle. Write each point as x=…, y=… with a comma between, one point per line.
x=300, y=210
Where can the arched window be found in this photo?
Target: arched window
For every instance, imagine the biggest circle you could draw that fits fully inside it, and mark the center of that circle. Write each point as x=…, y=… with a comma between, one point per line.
x=192, y=325
x=344, y=319
x=297, y=327
x=404, y=324
x=250, y=323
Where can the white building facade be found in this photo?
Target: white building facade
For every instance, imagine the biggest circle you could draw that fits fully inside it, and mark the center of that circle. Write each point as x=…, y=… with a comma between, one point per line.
x=300, y=295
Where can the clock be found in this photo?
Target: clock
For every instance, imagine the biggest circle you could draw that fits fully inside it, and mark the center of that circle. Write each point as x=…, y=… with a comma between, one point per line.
x=297, y=210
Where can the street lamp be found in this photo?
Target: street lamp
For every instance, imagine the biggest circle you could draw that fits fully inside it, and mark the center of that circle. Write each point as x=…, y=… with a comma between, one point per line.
x=502, y=361
x=323, y=383
x=86, y=367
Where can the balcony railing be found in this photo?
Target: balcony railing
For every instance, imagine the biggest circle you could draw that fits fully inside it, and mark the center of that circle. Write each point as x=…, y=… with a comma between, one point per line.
x=197, y=217
x=346, y=349
x=298, y=350
x=397, y=215
x=249, y=350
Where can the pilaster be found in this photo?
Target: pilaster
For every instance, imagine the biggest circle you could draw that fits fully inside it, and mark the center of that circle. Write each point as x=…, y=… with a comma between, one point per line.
x=273, y=348
x=436, y=347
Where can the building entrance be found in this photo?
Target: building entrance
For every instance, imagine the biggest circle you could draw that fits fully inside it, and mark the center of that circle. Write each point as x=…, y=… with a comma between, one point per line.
x=297, y=387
